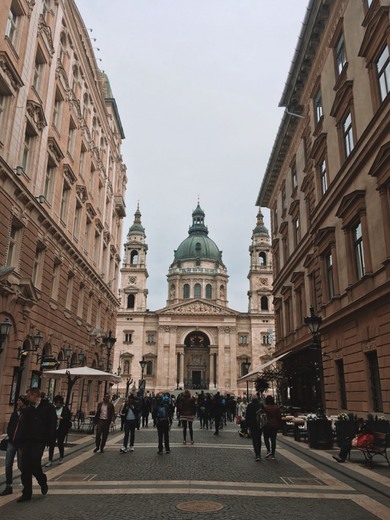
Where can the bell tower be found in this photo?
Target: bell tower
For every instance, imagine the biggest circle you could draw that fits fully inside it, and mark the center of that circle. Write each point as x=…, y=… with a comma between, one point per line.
x=260, y=271
x=134, y=272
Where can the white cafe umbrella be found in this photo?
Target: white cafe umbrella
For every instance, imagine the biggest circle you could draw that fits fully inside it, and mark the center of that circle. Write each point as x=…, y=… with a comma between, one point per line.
x=83, y=373
x=73, y=374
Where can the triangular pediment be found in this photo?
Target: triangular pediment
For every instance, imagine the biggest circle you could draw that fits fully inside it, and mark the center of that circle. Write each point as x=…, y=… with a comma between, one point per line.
x=197, y=307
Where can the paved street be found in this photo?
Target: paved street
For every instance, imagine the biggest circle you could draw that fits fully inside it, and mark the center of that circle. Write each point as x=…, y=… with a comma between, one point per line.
x=216, y=478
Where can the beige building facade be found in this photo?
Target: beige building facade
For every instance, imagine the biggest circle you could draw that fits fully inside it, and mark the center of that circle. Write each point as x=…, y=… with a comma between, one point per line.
x=327, y=185
x=62, y=186
x=196, y=341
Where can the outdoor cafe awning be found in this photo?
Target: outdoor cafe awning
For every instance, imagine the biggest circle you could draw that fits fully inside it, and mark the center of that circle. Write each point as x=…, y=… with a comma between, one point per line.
x=252, y=376
x=81, y=373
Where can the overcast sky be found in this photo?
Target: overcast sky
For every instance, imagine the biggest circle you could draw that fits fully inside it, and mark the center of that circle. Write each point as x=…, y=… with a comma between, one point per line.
x=197, y=84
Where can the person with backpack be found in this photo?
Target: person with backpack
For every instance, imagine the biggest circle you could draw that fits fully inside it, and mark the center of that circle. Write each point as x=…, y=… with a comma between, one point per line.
x=253, y=420
x=162, y=416
x=274, y=422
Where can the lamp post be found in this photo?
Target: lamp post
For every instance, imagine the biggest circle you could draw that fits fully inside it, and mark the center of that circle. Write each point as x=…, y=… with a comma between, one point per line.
x=109, y=342
x=143, y=364
x=5, y=327
x=247, y=364
x=313, y=323
x=68, y=355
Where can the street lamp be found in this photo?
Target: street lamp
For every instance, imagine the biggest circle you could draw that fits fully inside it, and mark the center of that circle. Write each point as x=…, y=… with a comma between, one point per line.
x=109, y=342
x=5, y=327
x=68, y=355
x=313, y=323
x=247, y=364
x=143, y=364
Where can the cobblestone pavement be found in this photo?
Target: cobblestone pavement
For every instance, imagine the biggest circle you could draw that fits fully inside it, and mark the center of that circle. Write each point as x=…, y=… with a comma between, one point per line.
x=216, y=478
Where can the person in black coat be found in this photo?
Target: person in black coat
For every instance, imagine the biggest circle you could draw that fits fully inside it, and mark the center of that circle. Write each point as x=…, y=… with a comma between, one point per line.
x=12, y=449
x=252, y=424
x=35, y=430
x=63, y=425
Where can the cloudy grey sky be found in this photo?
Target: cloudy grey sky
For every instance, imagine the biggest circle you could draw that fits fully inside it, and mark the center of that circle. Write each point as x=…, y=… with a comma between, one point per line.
x=197, y=84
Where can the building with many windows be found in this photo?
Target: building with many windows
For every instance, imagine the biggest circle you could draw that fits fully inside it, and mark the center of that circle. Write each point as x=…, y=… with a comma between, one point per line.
x=61, y=200
x=196, y=341
x=327, y=185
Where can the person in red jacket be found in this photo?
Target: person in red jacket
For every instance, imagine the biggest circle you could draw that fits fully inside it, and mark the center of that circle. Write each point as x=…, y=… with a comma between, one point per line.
x=274, y=420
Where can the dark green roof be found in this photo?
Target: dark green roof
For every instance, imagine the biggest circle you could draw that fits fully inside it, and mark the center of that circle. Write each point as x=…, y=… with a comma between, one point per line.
x=198, y=245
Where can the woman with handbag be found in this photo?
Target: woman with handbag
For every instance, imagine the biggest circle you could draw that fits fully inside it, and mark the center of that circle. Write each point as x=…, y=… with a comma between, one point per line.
x=12, y=449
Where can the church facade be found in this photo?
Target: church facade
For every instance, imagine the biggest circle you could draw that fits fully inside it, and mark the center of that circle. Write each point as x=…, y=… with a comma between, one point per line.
x=196, y=341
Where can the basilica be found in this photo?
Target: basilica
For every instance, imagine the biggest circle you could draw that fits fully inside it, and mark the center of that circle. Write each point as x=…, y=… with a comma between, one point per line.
x=196, y=341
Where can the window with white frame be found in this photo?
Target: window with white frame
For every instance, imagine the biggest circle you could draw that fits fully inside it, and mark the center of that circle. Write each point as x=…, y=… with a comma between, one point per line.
x=57, y=111
x=323, y=174
x=317, y=106
x=383, y=72
x=329, y=274
x=80, y=300
x=28, y=148
x=348, y=134
x=65, y=197
x=14, y=244
x=71, y=137
x=39, y=70
x=340, y=55
x=294, y=176
x=55, y=280
x=358, y=249
x=12, y=29
x=77, y=219
x=39, y=257
x=69, y=291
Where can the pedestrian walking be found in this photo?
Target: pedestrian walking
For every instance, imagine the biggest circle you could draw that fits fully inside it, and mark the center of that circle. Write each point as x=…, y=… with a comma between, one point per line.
x=162, y=416
x=145, y=411
x=187, y=409
x=130, y=412
x=35, y=430
x=217, y=411
x=274, y=422
x=105, y=416
x=12, y=450
x=64, y=424
x=254, y=427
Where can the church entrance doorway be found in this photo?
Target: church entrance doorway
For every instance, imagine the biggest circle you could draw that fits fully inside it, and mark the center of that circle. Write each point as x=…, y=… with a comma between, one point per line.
x=196, y=361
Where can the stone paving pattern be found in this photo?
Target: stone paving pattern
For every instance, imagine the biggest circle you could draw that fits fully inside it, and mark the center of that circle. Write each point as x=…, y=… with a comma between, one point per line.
x=216, y=462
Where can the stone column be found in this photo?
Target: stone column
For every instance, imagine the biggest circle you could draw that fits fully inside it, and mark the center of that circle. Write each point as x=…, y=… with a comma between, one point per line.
x=181, y=360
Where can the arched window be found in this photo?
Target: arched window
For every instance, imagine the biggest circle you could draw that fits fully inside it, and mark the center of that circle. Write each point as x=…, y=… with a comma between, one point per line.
x=130, y=301
x=186, y=290
x=126, y=367
x=262, y=258
x=264, y=303
x=197, y=290
x=149, y=368
x=209, y=291
x=134, y=258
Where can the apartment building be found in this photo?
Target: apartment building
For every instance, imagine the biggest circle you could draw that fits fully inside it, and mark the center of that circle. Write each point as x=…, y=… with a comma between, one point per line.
x=327, y=184
x=62, y=186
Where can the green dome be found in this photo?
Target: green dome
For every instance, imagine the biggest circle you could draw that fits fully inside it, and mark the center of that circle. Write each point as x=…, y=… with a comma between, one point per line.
x=137, y=227
x=198, y=245
x=260, y=228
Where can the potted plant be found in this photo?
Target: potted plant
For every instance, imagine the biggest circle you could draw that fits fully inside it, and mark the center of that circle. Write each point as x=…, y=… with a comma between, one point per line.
x=346, y=427
x=319, y=431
